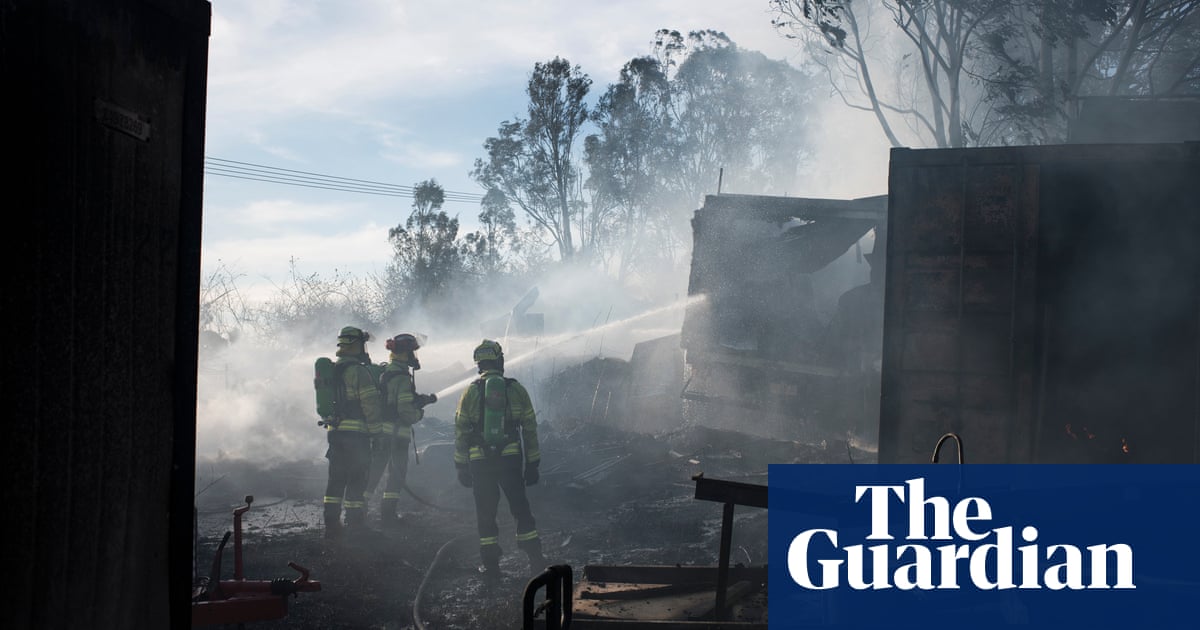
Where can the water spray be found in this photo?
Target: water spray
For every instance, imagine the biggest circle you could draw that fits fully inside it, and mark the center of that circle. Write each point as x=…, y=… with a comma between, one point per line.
x=558, y=340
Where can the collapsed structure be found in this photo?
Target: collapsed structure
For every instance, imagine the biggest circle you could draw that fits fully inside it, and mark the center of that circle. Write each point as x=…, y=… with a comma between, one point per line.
x=780, y=344
x=1040, y=304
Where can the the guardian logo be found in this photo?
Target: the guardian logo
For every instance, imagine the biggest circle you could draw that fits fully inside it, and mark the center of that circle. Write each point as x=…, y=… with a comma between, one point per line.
x=957, y=545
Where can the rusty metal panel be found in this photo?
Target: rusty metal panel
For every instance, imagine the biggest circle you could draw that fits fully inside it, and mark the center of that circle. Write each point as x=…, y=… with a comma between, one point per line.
x=932, y=203
x=988, y=283
x=951, y=260
x=1034, y=290
x=933, y=290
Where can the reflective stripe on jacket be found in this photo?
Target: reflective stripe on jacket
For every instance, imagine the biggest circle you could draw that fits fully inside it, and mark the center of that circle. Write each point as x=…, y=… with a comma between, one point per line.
x=361, y=399
x=400, y=396
x=468, y=423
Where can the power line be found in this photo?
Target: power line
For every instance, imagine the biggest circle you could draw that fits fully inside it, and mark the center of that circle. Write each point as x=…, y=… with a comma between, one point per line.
x=260, y=172
x=250, y=174
x=291, y=177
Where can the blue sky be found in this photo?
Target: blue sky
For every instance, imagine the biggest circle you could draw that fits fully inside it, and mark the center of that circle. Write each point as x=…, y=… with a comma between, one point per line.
x=399, y=92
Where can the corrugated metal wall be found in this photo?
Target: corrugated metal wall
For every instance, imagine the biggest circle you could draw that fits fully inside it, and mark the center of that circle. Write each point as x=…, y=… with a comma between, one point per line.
x=103, y=109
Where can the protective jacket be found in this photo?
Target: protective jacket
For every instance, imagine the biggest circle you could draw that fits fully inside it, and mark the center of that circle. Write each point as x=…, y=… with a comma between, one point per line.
x=520, y=423
x=399, y=395
x=360, y=405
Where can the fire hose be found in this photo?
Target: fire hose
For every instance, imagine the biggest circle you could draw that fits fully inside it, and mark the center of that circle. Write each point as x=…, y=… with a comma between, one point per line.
x=418, y=622
x=435, y=506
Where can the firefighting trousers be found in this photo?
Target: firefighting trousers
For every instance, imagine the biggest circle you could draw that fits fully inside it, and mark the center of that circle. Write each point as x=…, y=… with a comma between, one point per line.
x=349, y=458
x=389, y=455
x=490, y=477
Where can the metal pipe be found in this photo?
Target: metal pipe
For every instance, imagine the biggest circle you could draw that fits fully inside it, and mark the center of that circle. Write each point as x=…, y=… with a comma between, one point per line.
x=723, y=563
x=938, y=447
x=557, y=580
x=237, y=538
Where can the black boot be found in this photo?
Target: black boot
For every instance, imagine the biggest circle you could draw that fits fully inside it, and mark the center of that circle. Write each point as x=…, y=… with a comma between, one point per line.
x=388, y=517
x=537, y=562
x=490, y=554
x=333, y=521
x=356, y=521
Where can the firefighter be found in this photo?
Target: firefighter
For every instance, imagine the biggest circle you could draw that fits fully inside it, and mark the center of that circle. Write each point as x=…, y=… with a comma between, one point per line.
x=359, y=410
x=496, y=449
x=403, y=408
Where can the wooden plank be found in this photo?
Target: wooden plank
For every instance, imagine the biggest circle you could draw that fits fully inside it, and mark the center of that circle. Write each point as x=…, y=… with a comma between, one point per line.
x=650, y=624
x=654, y=603
x=660, y=574
x=870, y=208
x=736, y=492
x=680, y=607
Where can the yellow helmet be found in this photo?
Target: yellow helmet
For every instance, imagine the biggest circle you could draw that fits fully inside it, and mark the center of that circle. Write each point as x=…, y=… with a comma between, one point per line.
x=488, y=350
x=351, y=335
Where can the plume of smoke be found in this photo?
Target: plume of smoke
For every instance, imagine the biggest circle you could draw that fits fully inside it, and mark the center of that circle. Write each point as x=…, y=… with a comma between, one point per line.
x=256, y=398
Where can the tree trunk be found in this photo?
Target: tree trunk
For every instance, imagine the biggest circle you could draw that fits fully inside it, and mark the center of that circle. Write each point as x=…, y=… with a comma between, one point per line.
x=566, y=244
x=870, y=87
x=1139, y=19
x=1047, y=70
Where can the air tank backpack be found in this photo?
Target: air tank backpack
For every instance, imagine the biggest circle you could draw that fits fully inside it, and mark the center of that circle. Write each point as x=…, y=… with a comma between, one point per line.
x=390, y=413
x=327, y=383
x=494, y=396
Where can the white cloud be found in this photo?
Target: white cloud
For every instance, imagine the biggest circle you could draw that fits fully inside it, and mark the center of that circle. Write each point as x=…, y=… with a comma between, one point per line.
x=403, y=91
x=269, y=58
x=418, y=156
x=360, y=250
x=281, y=215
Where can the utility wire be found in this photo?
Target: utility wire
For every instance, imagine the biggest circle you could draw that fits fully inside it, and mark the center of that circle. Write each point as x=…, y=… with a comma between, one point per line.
x=272, y=174
x=292, y=175
x=324, y=186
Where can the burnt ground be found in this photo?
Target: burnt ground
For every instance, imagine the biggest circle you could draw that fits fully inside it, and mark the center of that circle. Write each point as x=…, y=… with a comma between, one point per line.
x=605, y=497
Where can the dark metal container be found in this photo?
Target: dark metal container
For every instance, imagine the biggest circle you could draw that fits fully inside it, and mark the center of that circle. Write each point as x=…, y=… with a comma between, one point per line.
x=1044, y=304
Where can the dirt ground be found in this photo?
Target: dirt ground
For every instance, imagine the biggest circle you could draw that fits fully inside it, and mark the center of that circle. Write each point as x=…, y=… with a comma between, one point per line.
x=605, y=497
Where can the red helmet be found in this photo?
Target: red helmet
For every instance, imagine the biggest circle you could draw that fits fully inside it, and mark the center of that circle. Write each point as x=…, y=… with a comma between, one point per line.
x=403, y=342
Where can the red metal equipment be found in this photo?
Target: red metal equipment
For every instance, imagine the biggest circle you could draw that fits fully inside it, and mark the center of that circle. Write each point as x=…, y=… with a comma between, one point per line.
x=217, y=602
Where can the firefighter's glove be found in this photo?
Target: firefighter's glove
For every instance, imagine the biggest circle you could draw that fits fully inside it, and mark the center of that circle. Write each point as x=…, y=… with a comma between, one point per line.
x=422, y=400
x=464, y=475
x=531, y=473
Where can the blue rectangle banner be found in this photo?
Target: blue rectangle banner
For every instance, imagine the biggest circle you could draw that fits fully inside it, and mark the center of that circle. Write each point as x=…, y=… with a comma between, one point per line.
x=979, y=545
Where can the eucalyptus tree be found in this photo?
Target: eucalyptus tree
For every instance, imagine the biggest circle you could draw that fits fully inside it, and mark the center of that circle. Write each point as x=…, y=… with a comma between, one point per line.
x=427, y=259
x=924, y=82
x=1054, y=53
x=972, y=72
x=628, y=159
x=488, y=251
x=739, y=119
x=533, y=162
x=699, y=115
